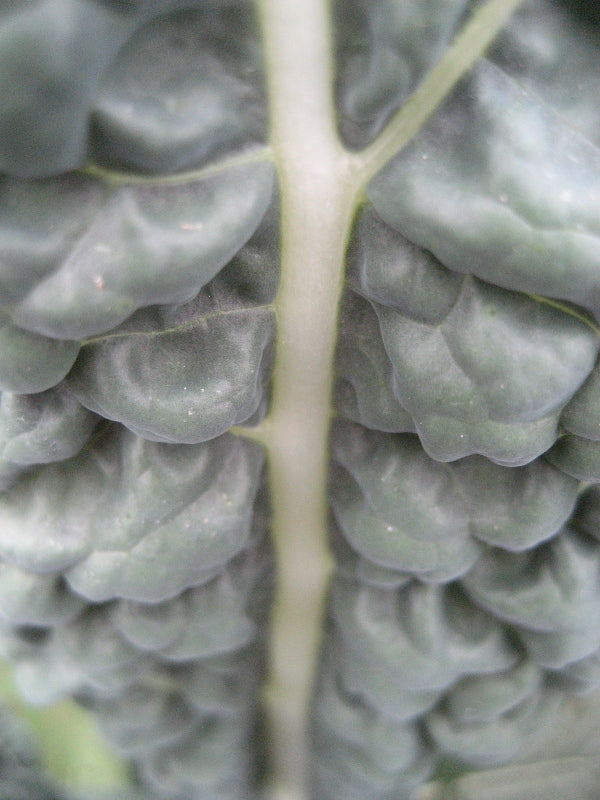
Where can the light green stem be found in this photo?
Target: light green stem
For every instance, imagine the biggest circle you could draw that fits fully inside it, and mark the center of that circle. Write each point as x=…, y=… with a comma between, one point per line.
x=316, y=218
x=320, y=185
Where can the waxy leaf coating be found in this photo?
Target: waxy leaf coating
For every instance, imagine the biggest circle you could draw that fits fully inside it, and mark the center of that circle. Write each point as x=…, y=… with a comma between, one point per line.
x=402, y=510
x=129, y=499
x=124, y=247
x=145, y=159
x=516, y=191
x=479, y=369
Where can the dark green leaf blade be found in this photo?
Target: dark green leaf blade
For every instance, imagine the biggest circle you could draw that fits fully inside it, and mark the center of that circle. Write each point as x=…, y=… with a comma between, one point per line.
x=213, y=373
x=123, y=248
x=516, y=191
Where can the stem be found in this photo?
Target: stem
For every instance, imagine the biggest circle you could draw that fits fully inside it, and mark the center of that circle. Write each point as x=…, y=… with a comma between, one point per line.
x=317, y=206
x=320, y=183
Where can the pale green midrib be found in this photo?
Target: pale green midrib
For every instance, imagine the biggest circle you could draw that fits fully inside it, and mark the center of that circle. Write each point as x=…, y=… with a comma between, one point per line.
x=294, y=436
x=341, y=185
x=315, y=223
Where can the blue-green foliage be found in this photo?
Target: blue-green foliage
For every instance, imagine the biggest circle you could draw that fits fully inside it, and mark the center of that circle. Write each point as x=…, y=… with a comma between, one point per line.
x=469, y=320
x=137, y=327
x=139, y=252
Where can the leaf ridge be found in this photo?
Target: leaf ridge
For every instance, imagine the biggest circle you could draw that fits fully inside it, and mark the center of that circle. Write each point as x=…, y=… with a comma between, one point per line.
x=188, y=325
x=117, y=178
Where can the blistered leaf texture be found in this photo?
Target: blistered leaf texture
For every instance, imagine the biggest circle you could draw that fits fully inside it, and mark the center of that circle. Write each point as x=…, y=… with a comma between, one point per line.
x=468, y=319
x=30, y=363
x=387, y=499
x=576, y=456
x=184, y=90
x=214, y=762
x=111, y=515
x=139, y=261
x=499, y=187
x=162, y=675
x=364, y=388
x=53, y=56
x=60, y=61
x=82, y=655
x=498, y=740
x=360, y=751
x=480, y=369
x=81, y=256
x=39, y=600
x=418, y=638
x=390, y=657
x=481, y=698
x=39, y=429
x=516, y=191
x=577, y=451
x=215, y=372
x=550, y=49
x=201, y=622
x=551, y=595
x=142, y=717
x=401, y=509
x=582, y=414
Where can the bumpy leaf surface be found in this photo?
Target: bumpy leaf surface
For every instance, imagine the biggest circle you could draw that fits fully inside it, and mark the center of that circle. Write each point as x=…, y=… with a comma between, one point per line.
x=130, y=501
x=480, y=369
x=39, y=429
x=403, y=510
x=138, y=260
x=528, y=191
x=61, y=61
x=139, y=269
x=468, y=319
x=124, y=247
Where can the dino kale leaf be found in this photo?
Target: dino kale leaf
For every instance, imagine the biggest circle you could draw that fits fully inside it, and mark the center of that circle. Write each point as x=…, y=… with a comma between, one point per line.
x=469, y=319
x=190, y=202
x=139, y=256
